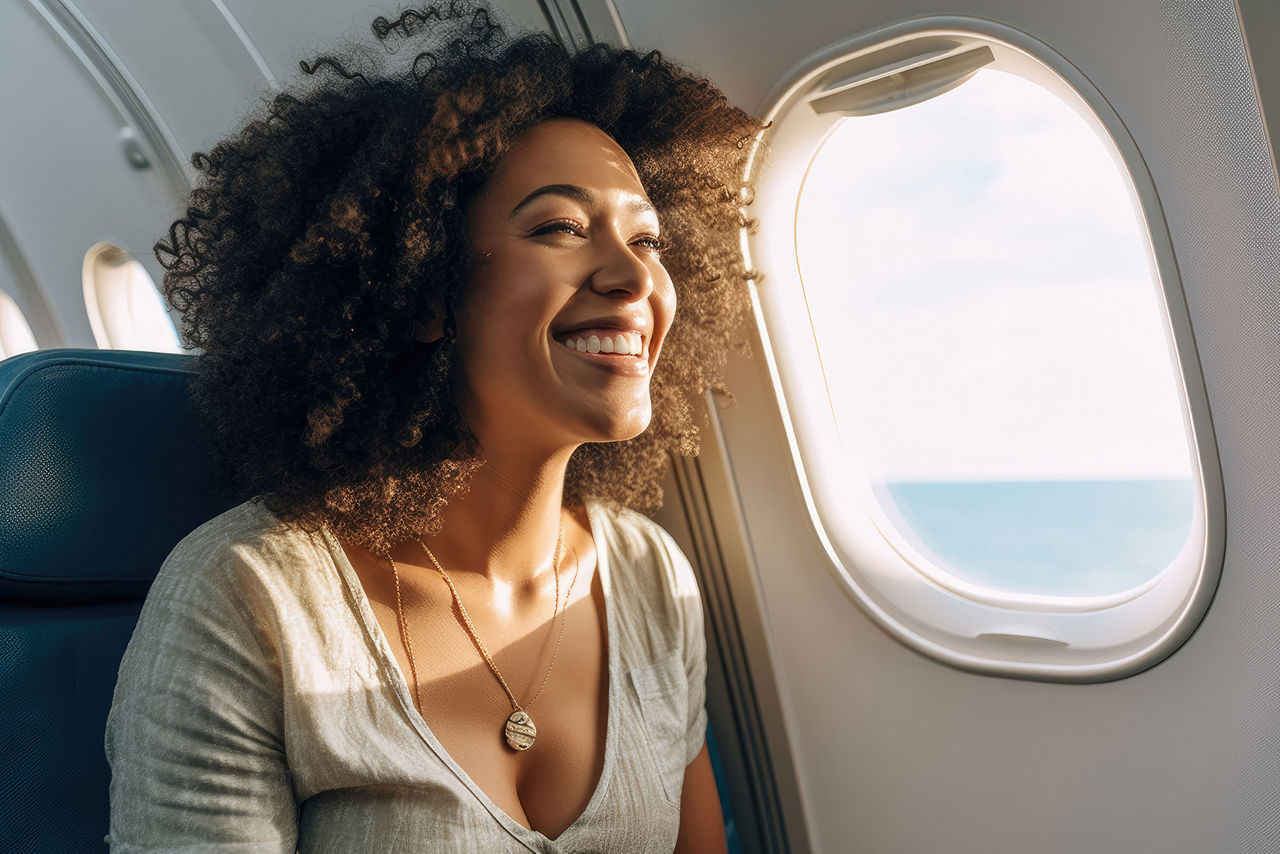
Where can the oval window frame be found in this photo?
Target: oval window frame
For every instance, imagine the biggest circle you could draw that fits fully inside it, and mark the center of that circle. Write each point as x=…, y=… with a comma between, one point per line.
x=1050, y=638
x=110, y=302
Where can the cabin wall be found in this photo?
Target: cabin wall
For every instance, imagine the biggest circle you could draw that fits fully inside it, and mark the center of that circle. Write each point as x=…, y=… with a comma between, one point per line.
x=1261, y=24
x=896, y=752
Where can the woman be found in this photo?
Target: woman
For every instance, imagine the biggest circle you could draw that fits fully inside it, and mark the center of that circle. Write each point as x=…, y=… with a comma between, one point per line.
x=431, y=306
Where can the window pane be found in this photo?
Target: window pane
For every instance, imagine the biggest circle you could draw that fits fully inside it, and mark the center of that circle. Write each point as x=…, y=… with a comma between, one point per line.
x=124, y=307
x=994, y=341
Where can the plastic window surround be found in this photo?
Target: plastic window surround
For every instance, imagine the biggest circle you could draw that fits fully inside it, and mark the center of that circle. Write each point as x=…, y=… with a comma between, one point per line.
x=125, y=309
x=1068, y=639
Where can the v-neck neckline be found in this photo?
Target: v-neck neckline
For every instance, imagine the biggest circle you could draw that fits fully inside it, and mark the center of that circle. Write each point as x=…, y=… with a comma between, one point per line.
x=398, y=683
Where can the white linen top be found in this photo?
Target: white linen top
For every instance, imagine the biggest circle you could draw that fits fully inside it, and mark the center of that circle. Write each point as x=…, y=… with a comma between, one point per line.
x=259, y=707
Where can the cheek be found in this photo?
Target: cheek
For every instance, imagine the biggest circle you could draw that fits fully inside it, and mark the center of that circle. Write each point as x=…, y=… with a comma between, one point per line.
x=507, y=312
x=525, y=287
x=504, y=299
x=668, y=303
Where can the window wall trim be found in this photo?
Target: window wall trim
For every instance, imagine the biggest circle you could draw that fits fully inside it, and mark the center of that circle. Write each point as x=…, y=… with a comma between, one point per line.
x=45, y=324
x=1077, y=639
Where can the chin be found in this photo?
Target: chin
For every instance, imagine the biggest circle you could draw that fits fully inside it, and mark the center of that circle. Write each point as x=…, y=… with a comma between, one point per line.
x=620, y=429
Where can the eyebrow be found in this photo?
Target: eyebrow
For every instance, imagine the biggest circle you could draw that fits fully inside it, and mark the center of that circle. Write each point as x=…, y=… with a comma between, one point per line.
x=582, y=196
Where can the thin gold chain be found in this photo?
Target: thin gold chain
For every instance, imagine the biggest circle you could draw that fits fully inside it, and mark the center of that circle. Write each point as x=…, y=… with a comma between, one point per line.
x=404, y=636
x=471, y=629
x=408, y=644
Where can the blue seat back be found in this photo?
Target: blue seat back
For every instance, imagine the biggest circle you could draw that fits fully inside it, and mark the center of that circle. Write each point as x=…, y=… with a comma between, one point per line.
x=104, y=467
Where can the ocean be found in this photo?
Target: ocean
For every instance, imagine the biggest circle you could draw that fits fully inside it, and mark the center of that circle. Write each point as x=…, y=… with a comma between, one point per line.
x=1055, y=537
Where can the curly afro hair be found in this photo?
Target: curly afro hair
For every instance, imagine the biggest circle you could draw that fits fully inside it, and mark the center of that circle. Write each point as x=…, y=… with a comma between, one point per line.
x=333, y=221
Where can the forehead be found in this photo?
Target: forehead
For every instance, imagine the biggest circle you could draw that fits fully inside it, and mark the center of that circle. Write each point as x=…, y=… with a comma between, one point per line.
x=563, y=151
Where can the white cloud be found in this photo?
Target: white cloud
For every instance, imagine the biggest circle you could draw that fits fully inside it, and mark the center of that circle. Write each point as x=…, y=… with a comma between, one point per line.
x=980, y=262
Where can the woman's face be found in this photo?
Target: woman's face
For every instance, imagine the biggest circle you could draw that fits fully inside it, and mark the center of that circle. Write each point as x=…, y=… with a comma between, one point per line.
x=572, y=255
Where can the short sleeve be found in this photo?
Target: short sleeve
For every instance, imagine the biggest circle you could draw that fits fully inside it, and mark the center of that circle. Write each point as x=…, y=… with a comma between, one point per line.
x=195, y=733
x=688, y=604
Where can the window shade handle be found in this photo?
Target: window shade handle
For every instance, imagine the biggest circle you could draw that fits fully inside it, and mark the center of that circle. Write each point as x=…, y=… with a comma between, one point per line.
x=904, y=83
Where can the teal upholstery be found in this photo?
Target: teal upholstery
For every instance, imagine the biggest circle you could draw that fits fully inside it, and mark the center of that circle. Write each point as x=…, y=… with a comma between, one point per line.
x=104, y=469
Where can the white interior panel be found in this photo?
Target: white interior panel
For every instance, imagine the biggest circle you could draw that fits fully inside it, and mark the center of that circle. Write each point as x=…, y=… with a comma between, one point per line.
x=187, y=60
x=66, y=184
x=287, y=31
x=899, y=753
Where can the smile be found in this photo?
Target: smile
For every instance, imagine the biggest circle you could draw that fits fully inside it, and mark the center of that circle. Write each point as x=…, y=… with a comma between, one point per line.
x=605, y=341
x=623, y=363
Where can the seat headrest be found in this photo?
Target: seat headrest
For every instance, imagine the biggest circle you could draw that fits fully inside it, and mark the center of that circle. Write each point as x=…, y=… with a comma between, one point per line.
x=104, y=467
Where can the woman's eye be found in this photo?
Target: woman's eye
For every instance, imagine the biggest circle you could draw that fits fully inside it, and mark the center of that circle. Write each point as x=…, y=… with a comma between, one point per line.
x=562, y=226
x=653, y=244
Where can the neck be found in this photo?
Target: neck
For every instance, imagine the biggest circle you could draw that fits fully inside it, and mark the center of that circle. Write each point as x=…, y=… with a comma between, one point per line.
x=507, y=524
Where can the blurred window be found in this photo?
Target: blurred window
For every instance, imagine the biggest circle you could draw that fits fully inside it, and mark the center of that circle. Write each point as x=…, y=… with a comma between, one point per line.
x=124, y=307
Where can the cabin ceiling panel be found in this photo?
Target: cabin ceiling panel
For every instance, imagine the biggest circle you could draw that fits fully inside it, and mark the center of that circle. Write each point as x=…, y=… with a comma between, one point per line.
x=287, y=31
x=187, y=61
x=67, y=185
x=202, y=63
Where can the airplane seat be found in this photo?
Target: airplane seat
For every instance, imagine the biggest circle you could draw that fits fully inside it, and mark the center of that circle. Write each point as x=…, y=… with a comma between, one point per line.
x=105, y=468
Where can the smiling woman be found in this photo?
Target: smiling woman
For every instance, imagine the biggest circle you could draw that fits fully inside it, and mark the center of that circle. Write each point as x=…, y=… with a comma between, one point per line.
x=453, y=320
x=543, y=246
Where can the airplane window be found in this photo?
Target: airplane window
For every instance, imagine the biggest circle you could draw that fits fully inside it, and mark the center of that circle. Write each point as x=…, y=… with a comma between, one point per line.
x=125, y=309
x=973, y=320
x=993, y=340
x=15, y=334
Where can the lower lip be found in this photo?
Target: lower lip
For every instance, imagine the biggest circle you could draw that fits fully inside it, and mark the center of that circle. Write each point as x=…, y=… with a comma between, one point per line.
x=627, y=366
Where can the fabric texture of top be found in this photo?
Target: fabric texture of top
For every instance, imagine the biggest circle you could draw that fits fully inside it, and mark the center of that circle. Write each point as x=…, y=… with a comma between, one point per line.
x=259, y=707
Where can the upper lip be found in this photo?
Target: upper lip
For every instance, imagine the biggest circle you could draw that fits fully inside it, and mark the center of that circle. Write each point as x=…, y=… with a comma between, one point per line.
x=621, y=322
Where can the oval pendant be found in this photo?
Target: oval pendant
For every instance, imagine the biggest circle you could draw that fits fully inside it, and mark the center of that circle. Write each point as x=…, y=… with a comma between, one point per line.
x=520, y=730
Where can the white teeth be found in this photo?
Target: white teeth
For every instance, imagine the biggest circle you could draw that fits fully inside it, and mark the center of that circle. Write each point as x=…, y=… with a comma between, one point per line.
x=628, y=344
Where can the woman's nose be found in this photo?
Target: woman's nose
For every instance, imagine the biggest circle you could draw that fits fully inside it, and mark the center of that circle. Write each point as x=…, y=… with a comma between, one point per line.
x=621, y=270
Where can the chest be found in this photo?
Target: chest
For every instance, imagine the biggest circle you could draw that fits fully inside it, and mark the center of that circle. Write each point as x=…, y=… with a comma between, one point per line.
x=556, y=668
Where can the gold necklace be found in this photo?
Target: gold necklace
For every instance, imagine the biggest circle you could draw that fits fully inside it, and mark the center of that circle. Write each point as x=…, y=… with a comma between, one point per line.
x=519, y=729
